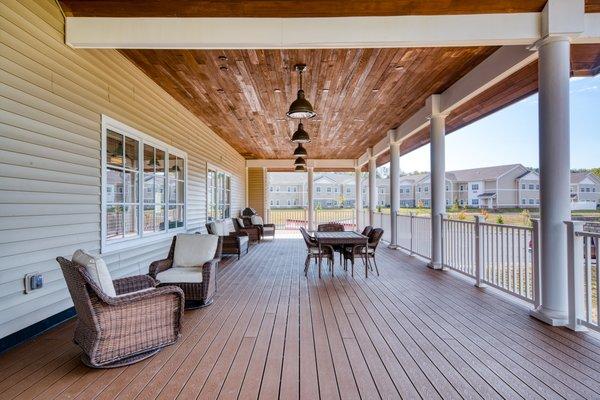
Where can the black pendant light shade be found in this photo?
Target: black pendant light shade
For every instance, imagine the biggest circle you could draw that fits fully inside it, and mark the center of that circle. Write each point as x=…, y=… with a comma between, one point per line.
x=300, y=161
x=300, y=168
x=300, y=136
x=301, y=108
x=300, y=151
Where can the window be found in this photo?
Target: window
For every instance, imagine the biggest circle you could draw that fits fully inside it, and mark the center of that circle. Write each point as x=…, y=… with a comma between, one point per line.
x=582, y=190
x=401, y=190
x=523, y=186
x=447, y=188
x=329, y=202
x=289, y=202
x=318, y=189
x=295, y=189
x=475, y=202
x=587, y=190
x=537, y=201
x=289, y=189
x=531, y=186
x=295, y=202
x=462, y=188
x=462, y=202
x=271, y=189
x=347, y=190
x=381, y=190
x=475, y=186
x=523, y=201
x=328, y=189
x=219, y=195
x=531, y=201
x=271, y=202
x=426, y=189
x=277, y=202
x=143, y=186
x=594, y=190
x=419, y=189
x=277, y=188
x=537, y=187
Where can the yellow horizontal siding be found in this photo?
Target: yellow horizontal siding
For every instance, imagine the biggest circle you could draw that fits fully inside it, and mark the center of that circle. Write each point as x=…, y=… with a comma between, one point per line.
x=52, y=98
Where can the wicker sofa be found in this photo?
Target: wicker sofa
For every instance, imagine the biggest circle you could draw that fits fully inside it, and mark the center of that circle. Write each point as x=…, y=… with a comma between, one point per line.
x=197, y=278
x=233, y=242
x=121, y=321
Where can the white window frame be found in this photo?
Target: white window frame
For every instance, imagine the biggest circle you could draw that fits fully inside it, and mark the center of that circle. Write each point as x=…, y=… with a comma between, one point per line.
x=212, y=167
x=108, y=246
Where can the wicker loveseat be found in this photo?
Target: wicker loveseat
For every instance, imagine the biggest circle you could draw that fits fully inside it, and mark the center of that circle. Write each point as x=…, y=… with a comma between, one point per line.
x=233, y=242
x=121, y=321
x=195, y=272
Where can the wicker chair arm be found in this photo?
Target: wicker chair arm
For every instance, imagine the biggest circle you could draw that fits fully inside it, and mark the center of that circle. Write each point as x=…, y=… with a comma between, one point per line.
x=269, y=225
x=133, y=283
x=144, y=295
x=159, y=266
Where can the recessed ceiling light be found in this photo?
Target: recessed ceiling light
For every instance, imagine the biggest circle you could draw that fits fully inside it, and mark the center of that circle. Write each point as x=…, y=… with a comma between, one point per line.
x=375, y=90
x=223, y=58
x=220, y=91
x=223, y=68
x=277, y=90
x=399, y=68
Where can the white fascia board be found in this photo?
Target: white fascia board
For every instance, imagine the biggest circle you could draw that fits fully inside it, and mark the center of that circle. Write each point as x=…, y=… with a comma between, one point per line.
x=414, y=124
x=591, y=32
x=289, y=163
x=290, y=33
x=502, y=63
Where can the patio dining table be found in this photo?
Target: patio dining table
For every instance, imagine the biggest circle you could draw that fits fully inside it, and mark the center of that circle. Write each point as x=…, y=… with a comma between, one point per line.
x=344, y=239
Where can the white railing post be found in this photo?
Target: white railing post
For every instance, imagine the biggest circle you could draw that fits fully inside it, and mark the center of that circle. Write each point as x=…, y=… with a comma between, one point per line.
x=575, y=279
x=535, y=261
x=479, y=240
x=412, y=229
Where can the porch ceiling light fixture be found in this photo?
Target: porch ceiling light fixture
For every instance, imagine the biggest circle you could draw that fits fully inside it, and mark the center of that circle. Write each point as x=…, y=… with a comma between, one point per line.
x=300, y=161
x=300, y=136
x=300, y=108
x=300, y=151
x=300, y=168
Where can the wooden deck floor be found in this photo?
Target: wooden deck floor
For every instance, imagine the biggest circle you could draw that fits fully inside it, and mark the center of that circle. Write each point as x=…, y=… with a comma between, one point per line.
x=411, y=332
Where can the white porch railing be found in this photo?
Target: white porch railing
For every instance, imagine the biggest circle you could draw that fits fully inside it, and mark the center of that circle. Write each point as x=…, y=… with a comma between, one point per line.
x=583, y=277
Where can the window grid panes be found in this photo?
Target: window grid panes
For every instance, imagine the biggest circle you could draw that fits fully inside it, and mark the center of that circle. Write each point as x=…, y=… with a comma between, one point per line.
x=136, y=186
x=219, y=195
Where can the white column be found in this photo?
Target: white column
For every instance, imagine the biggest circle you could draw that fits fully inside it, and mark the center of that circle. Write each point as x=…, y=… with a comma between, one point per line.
x=372, y=190
x=358, y=199
x=438, y=180
x=394, y=192
x=553, y=75
x=311, y=214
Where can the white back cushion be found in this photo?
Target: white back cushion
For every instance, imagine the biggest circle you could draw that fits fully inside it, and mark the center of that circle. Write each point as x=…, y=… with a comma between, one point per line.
x=240, y=221
x=193, y=250
x=97, y=269
x=256, y=220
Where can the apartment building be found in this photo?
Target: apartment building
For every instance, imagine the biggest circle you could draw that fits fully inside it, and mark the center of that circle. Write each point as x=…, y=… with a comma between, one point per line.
x=502, y=186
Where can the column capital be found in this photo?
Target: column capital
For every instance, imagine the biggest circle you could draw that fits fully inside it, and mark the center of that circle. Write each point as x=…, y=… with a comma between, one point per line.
x=371, y=154
x=434, y=107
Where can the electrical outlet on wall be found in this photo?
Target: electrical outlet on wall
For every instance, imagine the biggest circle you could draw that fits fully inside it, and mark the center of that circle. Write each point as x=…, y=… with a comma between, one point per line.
x=33, y=281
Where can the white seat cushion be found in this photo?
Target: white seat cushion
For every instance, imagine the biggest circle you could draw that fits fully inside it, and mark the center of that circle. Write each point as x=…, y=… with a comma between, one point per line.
x=97, y=269
x=256, y=220
x=268, y=229
x=243, y=239
x=181, y=275
x=193, y=250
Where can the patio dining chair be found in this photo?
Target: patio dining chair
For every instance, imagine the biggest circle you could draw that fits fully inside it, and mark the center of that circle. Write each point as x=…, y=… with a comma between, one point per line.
x=333, y=227
x=121, y=321
x=314, y=252
x=192, y=266
x=366, y=251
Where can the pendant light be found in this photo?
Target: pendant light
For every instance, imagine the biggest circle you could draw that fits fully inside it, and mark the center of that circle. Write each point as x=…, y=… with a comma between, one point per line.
x=300, y=168
x=300, y=161
x=300, y=136
x=300, y=151
x=300, y=108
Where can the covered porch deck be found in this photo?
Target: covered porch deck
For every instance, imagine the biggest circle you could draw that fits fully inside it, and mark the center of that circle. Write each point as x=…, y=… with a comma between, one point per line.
x=271, y=332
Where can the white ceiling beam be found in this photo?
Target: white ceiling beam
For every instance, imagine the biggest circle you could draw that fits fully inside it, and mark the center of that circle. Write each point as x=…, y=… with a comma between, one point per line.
x=290, y=33
x=289, y=163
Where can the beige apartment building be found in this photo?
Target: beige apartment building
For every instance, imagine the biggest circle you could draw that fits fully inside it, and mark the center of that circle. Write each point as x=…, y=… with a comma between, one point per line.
x=502, y=186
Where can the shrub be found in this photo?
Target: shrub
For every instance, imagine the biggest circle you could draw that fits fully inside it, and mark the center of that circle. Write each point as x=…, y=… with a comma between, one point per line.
x=526, y=217
x=462, y=215
x=500, y=220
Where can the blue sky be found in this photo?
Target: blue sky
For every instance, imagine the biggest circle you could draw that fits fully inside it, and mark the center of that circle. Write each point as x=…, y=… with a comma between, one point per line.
x=511, y=135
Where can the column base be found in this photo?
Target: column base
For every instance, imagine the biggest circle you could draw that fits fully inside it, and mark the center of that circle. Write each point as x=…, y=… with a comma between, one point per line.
x=393, y=246
x=550, y=317
x=435, y=265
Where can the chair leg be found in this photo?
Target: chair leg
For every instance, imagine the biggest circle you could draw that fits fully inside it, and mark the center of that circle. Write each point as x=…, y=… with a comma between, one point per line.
x=306, y=264
x=375, y=262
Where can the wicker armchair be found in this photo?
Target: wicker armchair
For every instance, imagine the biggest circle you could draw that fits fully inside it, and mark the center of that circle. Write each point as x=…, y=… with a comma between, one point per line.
x=313, y=251
x=265, y=229
x=200, y=289
x=233, y=242
x=374, y=238
x=115, y=331
x=253, y=232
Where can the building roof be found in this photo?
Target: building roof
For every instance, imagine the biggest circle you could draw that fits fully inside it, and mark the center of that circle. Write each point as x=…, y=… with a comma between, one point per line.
x=577, y=177
x=480, y=174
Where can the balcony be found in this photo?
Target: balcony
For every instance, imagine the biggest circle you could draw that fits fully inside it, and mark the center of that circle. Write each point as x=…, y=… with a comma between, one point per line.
x=410, y=332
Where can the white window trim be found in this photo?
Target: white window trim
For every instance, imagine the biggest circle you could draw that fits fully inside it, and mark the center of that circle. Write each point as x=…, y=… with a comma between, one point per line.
x=212, y=167
x=106, y=247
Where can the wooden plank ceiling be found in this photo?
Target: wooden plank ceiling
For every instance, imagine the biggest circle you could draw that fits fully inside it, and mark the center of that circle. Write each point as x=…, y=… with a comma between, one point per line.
x=295, y=8
x=359, y=94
